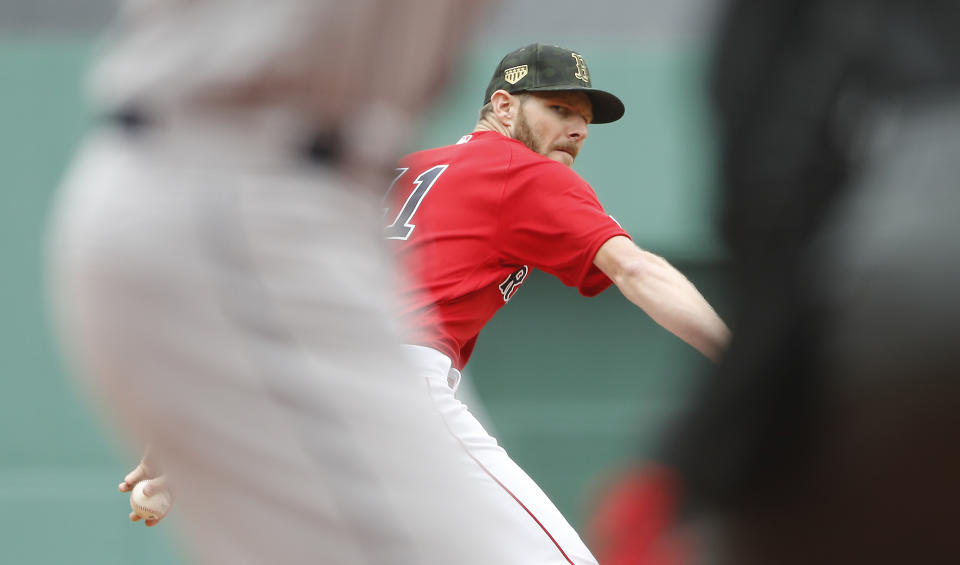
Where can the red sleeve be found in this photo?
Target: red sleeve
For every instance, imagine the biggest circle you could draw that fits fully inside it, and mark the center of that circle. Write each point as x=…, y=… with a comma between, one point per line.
x=550, y=218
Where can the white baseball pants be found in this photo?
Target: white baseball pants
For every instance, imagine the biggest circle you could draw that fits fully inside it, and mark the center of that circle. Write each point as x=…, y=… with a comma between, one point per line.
x=527, y=522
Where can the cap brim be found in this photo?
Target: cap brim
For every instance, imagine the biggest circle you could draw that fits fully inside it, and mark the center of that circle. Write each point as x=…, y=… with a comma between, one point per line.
x=606, y=107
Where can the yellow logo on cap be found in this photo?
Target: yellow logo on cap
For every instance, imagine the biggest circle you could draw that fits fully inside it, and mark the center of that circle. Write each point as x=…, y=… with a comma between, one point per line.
x=514, y=74
x=581, y=68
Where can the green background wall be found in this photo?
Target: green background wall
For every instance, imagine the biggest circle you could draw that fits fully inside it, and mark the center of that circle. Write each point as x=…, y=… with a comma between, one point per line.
x=573, y=386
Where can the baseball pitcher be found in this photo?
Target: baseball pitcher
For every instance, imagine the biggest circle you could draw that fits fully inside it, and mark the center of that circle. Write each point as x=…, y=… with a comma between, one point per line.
x=472, y=221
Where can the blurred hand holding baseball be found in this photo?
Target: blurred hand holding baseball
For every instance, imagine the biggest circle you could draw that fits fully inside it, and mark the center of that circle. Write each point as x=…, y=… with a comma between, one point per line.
x=149, y=501
x=150, y=498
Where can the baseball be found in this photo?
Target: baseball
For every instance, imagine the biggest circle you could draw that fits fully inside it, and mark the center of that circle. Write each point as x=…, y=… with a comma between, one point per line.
x=149, y=507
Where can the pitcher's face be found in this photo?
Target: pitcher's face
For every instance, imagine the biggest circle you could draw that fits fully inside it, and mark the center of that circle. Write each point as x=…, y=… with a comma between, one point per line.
x=554, y=124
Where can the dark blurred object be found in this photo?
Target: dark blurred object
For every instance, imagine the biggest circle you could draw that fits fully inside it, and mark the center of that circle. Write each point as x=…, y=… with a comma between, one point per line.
x=831, y=433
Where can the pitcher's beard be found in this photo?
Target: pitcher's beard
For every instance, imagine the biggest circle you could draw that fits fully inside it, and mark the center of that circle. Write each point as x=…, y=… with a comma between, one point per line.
x=524, y=134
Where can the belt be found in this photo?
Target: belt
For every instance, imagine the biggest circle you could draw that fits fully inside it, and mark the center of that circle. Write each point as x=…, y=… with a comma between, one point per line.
x=323, y=147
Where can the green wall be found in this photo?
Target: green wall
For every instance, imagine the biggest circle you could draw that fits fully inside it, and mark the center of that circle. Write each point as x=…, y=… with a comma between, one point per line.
x=572, y=385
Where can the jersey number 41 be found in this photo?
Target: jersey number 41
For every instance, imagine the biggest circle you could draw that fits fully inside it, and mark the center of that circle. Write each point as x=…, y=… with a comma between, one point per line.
x=401, y=227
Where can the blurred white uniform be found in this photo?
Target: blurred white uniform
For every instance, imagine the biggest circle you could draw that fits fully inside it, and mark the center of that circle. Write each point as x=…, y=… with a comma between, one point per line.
x=223, y=295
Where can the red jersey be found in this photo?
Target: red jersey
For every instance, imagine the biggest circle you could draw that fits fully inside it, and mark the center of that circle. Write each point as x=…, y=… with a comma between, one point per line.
x=469, y=221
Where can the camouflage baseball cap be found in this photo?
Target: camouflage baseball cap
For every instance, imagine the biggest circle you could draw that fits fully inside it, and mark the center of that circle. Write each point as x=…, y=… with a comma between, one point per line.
x=538, y=68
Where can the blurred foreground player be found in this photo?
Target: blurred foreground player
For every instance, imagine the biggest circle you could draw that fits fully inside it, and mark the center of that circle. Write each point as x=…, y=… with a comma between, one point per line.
x=219, y=278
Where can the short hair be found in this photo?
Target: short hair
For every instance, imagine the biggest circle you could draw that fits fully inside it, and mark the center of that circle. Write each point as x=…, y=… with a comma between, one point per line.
x=485, y=110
